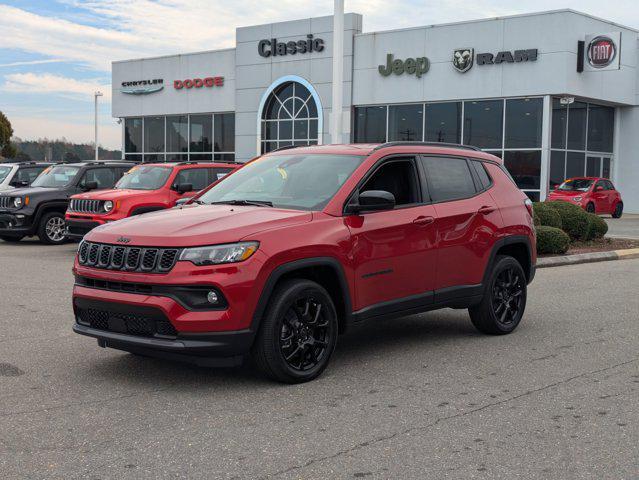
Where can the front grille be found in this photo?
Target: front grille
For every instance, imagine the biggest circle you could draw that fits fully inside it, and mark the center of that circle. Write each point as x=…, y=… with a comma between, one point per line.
x=5, y=202
x=81, y=205
x=129, y=323
x=132, y=259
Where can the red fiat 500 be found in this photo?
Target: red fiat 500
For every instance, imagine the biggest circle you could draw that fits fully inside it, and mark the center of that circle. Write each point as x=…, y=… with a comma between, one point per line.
x=593, y=194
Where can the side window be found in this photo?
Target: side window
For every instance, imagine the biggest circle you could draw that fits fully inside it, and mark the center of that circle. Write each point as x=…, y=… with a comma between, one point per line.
x=609, y=185
x=448, y=178
x=216, y=174
x=28, y=174
x=484, y=179
x=105, y=177
x=398, y=177
x=198, y=177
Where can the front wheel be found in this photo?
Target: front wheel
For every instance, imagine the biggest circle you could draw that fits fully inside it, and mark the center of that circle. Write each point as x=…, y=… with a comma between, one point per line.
x=618, y=210
x=590, y=208
x=52, y=229
x=298, y=332
x=504, y=302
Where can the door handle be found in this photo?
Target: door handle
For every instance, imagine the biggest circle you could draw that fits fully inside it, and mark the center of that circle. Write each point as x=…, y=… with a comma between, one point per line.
x=486, y=209
x=422, y=220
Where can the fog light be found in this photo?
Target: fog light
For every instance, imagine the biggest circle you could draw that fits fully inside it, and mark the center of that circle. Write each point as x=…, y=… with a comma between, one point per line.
x=212, y=297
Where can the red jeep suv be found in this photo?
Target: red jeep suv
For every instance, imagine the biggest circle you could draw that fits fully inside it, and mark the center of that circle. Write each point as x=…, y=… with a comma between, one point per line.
x=145, y=188
x=301, y=244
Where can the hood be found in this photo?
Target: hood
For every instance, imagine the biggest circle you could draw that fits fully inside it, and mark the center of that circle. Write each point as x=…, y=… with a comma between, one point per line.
x=29, y=191
x=195, y=225
x=566, y=193
x=113, y=194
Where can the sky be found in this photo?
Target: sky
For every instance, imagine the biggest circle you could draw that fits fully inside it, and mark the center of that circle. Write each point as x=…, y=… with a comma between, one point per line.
x=55, y=53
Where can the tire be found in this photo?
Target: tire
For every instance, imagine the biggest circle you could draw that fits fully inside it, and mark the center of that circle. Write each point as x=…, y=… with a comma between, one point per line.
x=51, y=229
x=298, y=333
x=618, y=212
x=504, y=302
x=590, y=208
x=11, y=239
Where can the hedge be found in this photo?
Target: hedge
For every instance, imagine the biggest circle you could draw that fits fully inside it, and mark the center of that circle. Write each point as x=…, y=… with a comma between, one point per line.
x=598, y=226
x=545, y=215
x=552, y=240
x=574, y=220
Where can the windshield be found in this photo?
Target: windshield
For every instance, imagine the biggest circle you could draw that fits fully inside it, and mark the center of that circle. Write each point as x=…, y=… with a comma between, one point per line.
x=300, y=182
x=144, y=178
x=4, y=171
x=576, y=184
x=59, y=176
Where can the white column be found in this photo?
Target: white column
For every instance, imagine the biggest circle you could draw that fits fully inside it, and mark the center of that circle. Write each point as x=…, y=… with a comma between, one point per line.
x=338, y=72
x=95, y=96
x=546, y=129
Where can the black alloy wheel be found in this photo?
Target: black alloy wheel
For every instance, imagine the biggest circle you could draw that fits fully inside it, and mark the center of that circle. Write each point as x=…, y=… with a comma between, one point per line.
x=618, y=210
x=590, y=208
x=298, y=332
x=504, y=302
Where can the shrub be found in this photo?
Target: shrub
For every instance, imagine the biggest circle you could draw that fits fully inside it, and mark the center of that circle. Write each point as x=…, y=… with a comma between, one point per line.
x=574, y=219
x=545, y=215
x=552, y=240
x=598, y=226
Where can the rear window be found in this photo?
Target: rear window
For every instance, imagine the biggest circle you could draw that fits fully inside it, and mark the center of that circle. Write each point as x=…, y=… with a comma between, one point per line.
x=449, y=178
x=484, y=179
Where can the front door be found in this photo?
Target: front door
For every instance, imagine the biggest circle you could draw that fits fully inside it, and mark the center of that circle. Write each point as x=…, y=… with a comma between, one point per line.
x=393, y=251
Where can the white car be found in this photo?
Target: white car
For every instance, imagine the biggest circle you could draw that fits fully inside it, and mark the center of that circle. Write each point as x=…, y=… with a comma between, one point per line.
x=19, y=174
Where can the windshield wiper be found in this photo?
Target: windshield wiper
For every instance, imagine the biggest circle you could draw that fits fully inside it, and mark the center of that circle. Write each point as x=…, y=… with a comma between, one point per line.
x=256, y=203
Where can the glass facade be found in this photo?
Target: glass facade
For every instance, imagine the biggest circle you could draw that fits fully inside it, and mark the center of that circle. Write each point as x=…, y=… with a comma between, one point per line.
x=175, y=138
x=582, y=139
x=508, y=128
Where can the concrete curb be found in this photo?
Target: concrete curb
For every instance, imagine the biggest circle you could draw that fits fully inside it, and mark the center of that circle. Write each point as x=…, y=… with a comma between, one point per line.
x=561, y=260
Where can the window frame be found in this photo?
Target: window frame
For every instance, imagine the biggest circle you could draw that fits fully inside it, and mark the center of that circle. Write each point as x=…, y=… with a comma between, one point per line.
x=472, y=176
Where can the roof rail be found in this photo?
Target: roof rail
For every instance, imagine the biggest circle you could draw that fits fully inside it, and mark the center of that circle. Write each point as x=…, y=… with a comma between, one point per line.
x=426, y=144
x=287, y=147
x=199, y=162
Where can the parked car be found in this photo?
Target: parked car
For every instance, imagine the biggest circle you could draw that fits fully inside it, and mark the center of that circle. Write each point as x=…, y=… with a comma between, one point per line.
x=19, y=174
x=593, y=194
x=145, y=188
x=301, y=244
x=39, y=209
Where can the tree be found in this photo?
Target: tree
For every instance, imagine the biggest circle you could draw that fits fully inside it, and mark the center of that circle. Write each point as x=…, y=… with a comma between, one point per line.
x=71, y=157
x=9, y=150
x=6, y=132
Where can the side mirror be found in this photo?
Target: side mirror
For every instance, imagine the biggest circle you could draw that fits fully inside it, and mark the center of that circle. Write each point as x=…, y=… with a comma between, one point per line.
x=598, y=188
x=182, y=201
x=183, y=188
x=89, y=186
x=19, y=183
x=373, y=201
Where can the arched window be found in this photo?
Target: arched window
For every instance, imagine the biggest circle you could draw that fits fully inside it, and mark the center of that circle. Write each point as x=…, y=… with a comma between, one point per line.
x=290, y=116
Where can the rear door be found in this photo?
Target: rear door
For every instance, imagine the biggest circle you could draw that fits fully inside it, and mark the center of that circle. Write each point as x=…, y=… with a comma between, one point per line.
x=467, y=220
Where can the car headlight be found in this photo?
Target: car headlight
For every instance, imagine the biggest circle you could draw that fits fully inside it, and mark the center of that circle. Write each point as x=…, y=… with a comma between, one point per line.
x=108, y=206
x=577, y=199
x=18, y=202
x=216, y=254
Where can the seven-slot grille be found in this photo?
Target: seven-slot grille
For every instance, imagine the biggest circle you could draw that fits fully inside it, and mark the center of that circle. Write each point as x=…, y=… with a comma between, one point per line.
x=133, y=259
x=5, y=202
x=81, y=205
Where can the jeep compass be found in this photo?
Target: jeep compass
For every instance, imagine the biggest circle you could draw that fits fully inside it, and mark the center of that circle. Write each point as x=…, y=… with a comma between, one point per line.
x=296, y=247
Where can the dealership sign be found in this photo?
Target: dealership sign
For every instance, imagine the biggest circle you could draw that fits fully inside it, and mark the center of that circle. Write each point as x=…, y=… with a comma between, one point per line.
x=142, y=87
x=602, y=51
x=267, y=48
x=463, y=58
x=411, y=66
x=207, y=82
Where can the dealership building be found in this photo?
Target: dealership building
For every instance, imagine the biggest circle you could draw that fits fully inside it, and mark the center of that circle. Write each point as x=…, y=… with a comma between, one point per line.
x=554, y=94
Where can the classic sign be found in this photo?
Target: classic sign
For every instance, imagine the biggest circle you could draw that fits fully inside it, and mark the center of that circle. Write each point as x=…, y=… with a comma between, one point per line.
x=412, y=66
x=267, y=48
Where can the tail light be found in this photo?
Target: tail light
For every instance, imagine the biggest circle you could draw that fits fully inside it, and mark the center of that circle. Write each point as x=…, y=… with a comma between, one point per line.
x=529, y=206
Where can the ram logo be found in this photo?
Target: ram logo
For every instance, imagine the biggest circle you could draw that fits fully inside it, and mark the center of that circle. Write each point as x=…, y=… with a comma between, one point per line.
x=463, y=59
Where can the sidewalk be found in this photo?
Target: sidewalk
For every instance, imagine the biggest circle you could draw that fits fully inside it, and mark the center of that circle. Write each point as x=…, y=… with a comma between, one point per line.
x=625, y=227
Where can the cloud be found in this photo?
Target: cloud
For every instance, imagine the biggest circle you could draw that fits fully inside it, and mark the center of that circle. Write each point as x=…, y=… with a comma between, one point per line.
x=54, y=84
x=31, y=62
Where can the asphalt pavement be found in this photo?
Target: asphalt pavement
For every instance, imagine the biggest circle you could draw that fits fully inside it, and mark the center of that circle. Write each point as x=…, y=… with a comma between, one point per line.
x=625, y=227
x=421, y=397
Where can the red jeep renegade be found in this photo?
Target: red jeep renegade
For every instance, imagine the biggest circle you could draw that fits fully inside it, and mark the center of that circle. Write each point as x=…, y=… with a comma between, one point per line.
x=299, y=245
x=145, y=188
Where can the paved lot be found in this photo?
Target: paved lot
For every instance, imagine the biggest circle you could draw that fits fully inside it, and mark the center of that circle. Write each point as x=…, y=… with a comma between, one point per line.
x=419, y=397
x=625, y=227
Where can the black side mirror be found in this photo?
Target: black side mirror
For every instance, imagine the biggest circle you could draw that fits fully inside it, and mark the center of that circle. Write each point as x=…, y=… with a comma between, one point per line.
x=19, y=183
x=372, y=201
x=89, y=186
x=184, y=187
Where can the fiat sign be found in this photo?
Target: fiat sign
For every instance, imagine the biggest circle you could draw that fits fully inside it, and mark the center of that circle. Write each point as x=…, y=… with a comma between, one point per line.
x=602, y=51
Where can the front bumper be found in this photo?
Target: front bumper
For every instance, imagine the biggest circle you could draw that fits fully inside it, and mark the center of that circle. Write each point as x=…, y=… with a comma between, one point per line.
x=77, y=229
x=15, y=225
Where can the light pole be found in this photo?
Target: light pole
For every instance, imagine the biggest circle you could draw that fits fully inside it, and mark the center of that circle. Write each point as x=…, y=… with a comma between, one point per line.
x=95, y=96
x=338, y=71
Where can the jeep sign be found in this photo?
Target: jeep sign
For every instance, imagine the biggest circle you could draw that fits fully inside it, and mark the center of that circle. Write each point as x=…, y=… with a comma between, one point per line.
x=412, y=66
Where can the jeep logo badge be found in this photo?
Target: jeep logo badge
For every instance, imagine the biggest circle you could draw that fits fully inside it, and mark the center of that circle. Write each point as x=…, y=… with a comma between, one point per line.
x=123, y=240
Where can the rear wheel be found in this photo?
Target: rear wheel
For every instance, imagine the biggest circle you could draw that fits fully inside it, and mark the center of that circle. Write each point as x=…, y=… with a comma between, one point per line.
x=11, y=239
x=618, y=210
x=590, y=208
x=298, y=333
x=52, y=228
x=504, y=302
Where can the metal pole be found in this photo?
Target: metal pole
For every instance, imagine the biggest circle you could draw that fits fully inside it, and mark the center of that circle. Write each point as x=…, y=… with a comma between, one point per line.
x=95, y=96
x=338, y=72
